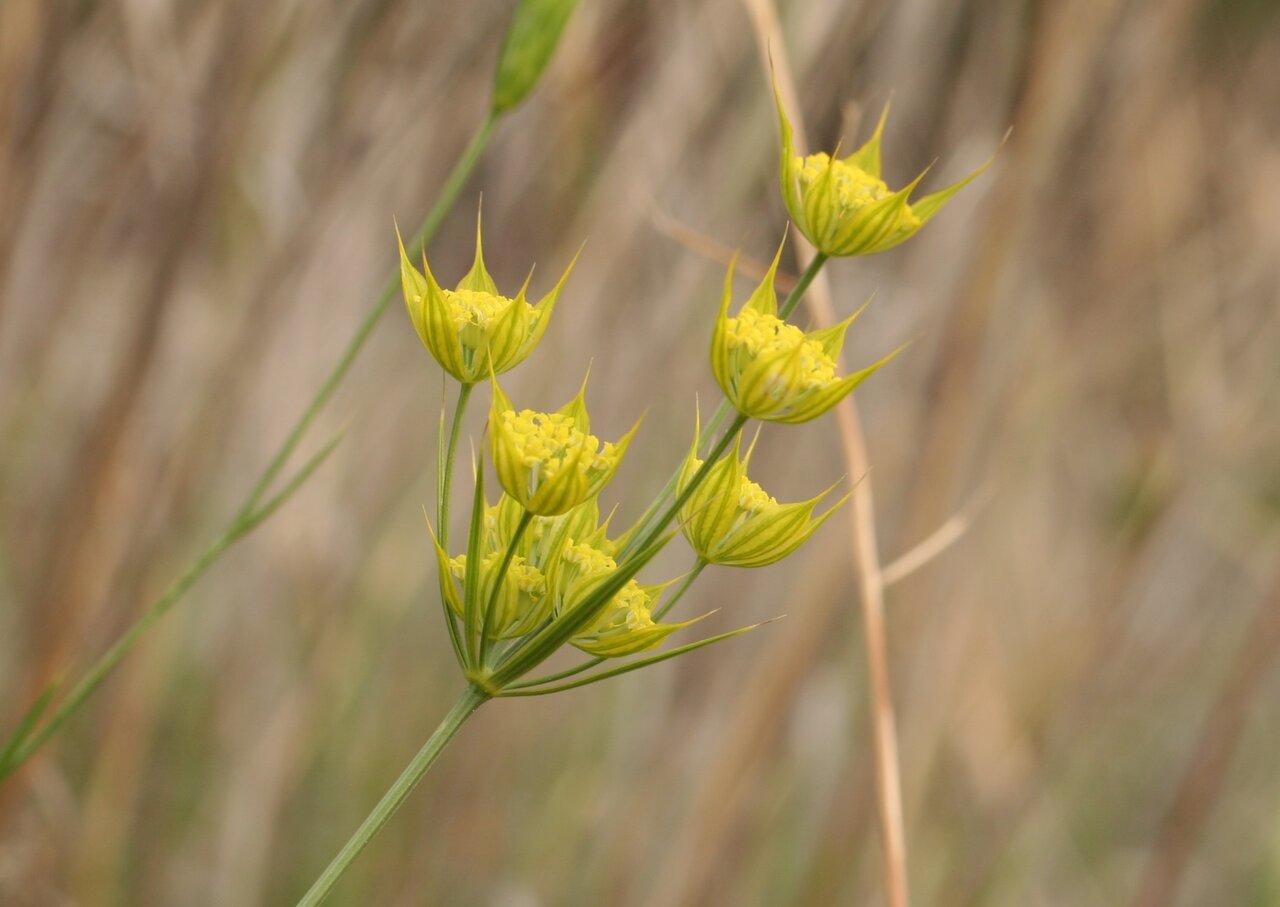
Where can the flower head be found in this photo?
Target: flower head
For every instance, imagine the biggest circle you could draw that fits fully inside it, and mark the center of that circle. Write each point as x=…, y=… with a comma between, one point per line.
x=550, y=462
x=625, y=625
x=524, y=600
x=844, y=207
x=474, y=328
x=772, y=370
x=730, y=520
x=521, y=604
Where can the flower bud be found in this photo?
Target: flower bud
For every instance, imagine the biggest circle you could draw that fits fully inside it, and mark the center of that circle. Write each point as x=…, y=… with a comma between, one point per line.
x=473, y=329
x=521, y=604
x=771, y=370
x=524, y=600
x=732, y=521
x=843, y=206
x=549, y=463
x=625, y=625
x=532, y=36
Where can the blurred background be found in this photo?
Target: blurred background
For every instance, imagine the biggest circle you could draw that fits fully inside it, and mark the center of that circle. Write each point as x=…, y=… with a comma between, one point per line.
x=196, y=207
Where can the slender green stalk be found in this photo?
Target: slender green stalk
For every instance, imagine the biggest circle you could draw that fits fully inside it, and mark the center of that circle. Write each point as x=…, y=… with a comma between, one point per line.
x=446, y=482
x=252, y=512
x=391, y=801
x=630, y=666
x=688, y=580
x=797, y=292
x=788, y=306
x=444, y=492
x=485, y=623
x=471, y=574
x=20, y=750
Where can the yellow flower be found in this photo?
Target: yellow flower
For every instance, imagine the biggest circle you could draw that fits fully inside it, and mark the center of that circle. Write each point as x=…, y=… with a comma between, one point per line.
x=625, y=625
x=730, y=520
x=522, y=603
x=546, y=535
x=474, y=328
x=550, y=462
x=771, y=370
x=843, y=206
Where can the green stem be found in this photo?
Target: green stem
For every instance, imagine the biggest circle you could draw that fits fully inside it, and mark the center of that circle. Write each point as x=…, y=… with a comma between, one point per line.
x=525, y=519
x=250, y=514
x=107, y=662
x=689, y=577
x=448, y=195
x=788, y=306
x=446, y=483
x=793, y=298
x=444, y=487
x=392, y=800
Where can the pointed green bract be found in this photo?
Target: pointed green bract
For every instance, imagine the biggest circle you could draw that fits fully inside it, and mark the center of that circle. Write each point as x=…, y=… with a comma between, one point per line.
x=535, y=689
x=867, y=157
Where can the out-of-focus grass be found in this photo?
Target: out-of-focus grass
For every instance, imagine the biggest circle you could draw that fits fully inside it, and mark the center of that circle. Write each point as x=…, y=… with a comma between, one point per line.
x=195, y=209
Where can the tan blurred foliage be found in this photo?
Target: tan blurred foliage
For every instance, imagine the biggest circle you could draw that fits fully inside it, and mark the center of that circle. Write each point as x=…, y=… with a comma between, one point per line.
x=196, y=203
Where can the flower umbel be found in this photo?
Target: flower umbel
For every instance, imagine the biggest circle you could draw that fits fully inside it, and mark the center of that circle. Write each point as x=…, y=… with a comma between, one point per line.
x=771, y=370
x=550, y=462
x=473, y=327
x=522, y=602
x=732, y=521
x=843, y=206
x=625, y=624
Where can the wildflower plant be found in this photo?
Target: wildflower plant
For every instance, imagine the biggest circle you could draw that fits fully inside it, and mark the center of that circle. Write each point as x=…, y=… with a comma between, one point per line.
x=539, y=572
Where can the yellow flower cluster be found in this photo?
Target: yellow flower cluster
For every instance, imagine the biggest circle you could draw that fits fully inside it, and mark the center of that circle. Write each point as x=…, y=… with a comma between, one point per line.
x=550, y=462
x=545, y=570
x=522, y=602
x=844, y=207
x=473, y=330
x=548, y=442
x=732, y=521
x=771, y=370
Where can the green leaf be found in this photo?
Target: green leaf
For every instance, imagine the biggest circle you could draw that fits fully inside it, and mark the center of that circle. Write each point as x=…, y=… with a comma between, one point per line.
x=532, y=37
x=471, y=578
x=634, y=665
x=26, y=724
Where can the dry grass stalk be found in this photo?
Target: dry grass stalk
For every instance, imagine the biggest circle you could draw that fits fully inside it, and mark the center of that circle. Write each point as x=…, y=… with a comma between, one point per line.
x=866, y=555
